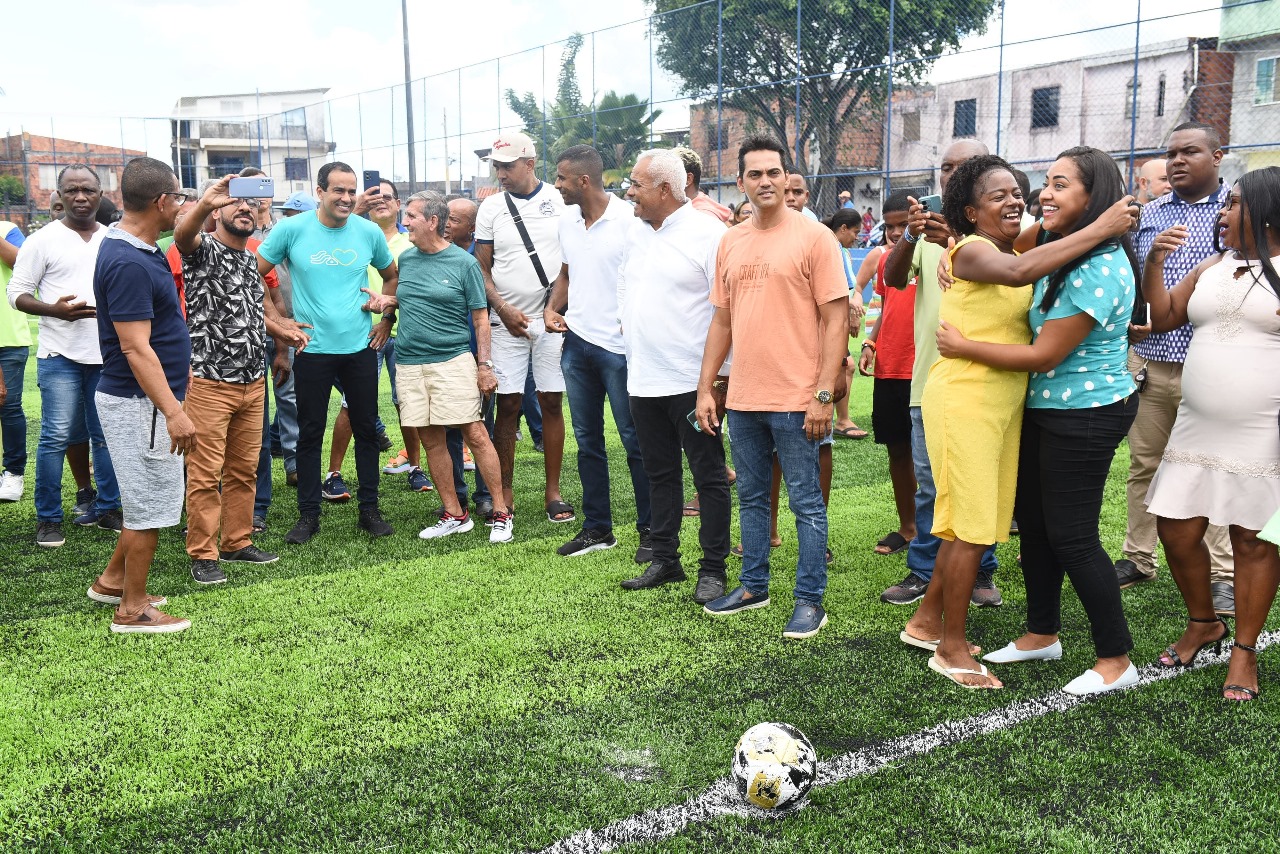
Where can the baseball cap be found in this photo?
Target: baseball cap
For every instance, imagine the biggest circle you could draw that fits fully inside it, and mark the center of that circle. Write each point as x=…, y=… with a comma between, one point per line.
x=299, y=201
x=510, y=147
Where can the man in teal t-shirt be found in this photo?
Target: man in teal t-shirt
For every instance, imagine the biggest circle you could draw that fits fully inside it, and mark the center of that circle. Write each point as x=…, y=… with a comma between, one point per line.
x=329, y=252
x=439, y=383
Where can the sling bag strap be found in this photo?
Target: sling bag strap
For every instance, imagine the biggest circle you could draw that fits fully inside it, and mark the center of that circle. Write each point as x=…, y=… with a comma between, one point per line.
x=529, y=247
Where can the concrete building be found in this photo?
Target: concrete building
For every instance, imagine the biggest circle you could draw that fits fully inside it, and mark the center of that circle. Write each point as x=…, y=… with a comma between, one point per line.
x=37, y=160
x=282, y=133
x=1252, y=32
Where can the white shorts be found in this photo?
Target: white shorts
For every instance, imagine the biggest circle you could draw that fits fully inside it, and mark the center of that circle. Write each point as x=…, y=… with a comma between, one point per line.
x=512, y=355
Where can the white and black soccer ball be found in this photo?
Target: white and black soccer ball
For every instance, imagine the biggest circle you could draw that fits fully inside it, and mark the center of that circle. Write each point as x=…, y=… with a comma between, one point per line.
x=774, y=766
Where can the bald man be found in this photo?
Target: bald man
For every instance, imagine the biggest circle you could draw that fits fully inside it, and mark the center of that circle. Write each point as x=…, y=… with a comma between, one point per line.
x=1153, y=180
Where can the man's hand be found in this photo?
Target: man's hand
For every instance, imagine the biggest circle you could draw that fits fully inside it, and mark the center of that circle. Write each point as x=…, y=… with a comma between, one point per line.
x=867, y=361
x=917, y=217
x=218, y=195
x=182, y=433
x=381, y=332
x=708, y=416
x=554, y=321
x=486, y=381
x=817, y=420
x=1138, y=334
x=378, y=303
x=71, y=307
x=281, y=365
x=516, y=321
x=368, y=200
x=293, y=334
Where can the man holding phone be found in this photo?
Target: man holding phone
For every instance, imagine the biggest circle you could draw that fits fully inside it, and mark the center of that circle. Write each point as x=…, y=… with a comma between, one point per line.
x=916, y=256
x=328, y=253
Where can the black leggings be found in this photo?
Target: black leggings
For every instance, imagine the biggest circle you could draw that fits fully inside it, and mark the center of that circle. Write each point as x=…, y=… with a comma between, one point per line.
x=1063, y=464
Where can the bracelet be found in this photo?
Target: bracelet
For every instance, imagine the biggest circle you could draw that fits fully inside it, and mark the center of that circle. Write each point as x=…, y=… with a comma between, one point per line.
x=869, y=343
x=909, y=237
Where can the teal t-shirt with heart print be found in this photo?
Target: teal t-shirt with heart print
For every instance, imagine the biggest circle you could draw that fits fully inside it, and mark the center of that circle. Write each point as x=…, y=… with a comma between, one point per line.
x=329, y=267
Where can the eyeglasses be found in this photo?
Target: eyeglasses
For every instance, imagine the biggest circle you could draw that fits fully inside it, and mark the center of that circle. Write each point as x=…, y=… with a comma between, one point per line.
x=252, y=204
x=181, y=197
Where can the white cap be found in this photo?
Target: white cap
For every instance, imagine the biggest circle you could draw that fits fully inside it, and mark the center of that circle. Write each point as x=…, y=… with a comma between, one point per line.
x=510, y=147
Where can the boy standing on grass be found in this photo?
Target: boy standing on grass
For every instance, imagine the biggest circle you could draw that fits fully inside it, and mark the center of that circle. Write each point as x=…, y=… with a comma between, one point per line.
x=146, y=356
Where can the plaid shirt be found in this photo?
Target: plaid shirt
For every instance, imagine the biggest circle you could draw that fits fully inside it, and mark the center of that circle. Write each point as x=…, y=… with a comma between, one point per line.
x=1200, y=218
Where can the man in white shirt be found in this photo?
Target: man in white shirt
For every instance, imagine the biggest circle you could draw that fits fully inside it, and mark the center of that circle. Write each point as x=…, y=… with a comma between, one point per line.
x=53, y=279
x=663, y=300
x=593, y=235
x=517, y=283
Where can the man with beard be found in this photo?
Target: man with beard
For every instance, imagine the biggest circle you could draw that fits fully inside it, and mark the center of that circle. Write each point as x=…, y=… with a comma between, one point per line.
x=227, y=305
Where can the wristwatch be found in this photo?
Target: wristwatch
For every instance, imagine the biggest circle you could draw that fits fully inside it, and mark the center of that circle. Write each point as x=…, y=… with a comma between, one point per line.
x=720, y=385
x=485, y=364
x=822, y=396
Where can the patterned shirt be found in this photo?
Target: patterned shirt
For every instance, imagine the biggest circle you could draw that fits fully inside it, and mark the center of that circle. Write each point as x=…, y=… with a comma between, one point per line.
x=224, y=313
x=1201, y=219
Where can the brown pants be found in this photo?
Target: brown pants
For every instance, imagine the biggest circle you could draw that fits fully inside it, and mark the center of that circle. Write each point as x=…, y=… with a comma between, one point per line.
x=1157, y=410
x=228, y=419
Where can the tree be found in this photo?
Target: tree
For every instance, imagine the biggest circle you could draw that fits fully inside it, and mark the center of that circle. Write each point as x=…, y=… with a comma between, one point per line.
x=840, y=61
x=12, y=190
x=620, y=130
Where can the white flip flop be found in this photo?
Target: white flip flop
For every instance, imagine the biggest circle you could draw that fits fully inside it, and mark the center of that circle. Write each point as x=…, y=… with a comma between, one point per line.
x=952, y=672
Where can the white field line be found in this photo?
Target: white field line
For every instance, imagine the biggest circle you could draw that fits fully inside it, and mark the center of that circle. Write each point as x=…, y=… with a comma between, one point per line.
x=721, y=798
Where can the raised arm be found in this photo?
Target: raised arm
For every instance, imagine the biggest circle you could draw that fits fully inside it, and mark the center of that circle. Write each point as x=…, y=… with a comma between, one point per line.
x=1167, y=308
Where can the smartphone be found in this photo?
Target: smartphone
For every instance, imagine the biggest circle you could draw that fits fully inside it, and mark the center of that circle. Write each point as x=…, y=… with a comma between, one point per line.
x=1139, y=313
x=256, y=187
x=693, y=420
x=372, y=180
x=933, y=204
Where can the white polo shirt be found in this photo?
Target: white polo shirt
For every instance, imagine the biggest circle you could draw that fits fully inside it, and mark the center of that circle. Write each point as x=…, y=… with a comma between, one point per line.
x=54, y=262
x=663, y=294
x=513, y=274
x=594, y=257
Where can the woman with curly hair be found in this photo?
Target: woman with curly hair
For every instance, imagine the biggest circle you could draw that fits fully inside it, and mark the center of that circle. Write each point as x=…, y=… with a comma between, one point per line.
x=973, y=412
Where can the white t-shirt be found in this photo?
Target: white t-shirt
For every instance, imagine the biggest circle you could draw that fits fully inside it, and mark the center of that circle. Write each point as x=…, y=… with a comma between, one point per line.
x=513, y=273
x=54, y=262
x=663, y=293
x=594, y=257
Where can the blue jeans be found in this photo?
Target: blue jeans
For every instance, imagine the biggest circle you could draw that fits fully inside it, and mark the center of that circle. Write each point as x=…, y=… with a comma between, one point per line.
x=591, y=373
x=923, y=550
x=754, y=436
x=530, y=408
x=13, y=421
x=66, y=399
x=285, y=424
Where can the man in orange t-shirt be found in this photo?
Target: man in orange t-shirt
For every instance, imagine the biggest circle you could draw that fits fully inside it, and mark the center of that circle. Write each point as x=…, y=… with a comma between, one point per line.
x=782, y=304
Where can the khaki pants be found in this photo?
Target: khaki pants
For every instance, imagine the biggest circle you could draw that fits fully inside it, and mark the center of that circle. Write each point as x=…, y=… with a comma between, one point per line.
x=228, y=419
x=1157, y=410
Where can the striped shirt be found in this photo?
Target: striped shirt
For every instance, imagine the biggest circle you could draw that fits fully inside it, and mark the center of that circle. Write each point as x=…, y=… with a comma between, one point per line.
x=1201, y=219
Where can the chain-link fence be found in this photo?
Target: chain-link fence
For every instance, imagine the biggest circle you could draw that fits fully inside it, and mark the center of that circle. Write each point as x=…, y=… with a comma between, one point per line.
x=866, y=93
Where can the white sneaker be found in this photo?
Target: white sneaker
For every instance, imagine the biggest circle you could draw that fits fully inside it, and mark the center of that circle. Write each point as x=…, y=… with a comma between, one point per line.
x=1090, y=682
x=448, y=525
x=501, y=530
x=11, y=487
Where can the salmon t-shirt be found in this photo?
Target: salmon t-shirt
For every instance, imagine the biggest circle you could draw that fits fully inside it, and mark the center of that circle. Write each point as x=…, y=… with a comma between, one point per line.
x=772, y=281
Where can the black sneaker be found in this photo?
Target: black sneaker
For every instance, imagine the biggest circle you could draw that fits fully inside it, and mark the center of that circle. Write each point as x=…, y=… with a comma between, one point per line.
x=484, y=509
x=248, y=554
x=644, y=554
x=49, y=535
x=112, y=520
x=84, y=500
x=655, y=575
x=985, y=593
x=384, y=442
x=710, y=587
x=371, y=520
x=908, y=590
x=1128, y=574
x=307, y=526
x=207, y=572
x=588, y=540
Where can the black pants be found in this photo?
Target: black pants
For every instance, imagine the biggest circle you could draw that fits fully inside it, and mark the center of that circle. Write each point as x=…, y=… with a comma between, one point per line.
x=663, y=430
x=1063, y=463
x=313, y=377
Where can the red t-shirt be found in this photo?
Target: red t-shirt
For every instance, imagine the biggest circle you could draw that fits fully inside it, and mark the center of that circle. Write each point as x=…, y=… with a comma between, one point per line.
x=174, y=257
x=896, y=343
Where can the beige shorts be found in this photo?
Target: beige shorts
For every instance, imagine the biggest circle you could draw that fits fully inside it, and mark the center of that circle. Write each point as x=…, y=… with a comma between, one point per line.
x=443, y=394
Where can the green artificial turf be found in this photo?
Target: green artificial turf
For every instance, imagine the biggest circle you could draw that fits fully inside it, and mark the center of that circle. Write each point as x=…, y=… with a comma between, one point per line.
x=402, y=695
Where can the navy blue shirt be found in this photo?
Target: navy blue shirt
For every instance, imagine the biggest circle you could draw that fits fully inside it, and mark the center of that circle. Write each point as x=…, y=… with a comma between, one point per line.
x=132, y=281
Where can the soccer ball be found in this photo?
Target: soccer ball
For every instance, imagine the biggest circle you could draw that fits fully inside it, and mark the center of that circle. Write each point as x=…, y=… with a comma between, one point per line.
x=774, y=766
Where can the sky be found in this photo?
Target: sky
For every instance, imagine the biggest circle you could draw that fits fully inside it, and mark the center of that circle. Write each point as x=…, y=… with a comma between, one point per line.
x=87, y=63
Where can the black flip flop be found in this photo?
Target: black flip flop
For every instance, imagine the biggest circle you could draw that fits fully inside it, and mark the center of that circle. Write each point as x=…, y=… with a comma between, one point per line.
x=555, y=508
x=893, y=541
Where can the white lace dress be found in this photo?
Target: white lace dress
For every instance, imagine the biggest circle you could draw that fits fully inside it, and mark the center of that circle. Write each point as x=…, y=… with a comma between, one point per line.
x=1223, y=456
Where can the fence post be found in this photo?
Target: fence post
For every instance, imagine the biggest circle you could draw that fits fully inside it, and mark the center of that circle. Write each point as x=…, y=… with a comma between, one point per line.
x=1133, y=108
x=799, y=71
x=888, y=107
x=719, y=99
x=1000, y=84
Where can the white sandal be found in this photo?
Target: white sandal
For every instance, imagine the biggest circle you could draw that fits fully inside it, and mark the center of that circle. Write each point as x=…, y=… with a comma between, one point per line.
x=952, y=672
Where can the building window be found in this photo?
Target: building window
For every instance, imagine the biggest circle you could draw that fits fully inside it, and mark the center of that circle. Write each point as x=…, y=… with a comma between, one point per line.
x=1132, y=94
x=911, y=127
x=1268, y=82
x=1044, y=107
x=231, y=107
x=48, y=176
x=296, y=117
x=965, y=119
x=108, y=177
x=295, y=169
x=1160, y=97
x=187, y=168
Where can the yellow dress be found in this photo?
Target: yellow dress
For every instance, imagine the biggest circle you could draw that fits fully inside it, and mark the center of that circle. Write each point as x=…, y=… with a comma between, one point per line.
x=973, y=414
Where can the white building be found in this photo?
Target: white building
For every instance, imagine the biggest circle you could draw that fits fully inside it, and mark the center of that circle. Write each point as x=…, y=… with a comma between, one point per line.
x=1253, y=32
x=282, y=133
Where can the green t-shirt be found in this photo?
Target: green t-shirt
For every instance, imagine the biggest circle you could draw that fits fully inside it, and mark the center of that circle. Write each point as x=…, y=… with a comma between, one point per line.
x=14, y=329
x=437, y=292
x=924, y=267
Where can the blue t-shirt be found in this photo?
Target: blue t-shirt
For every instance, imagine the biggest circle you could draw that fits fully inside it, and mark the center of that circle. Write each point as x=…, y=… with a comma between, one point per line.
x=132, y=281
x=329, y=267
x=1097, y=372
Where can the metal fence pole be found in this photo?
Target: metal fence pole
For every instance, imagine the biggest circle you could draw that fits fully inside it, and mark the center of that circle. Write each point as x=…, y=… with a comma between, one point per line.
x=1000, y=83
x=1133, y=104
x=545, y=153
x=719, y=99
x=593, y=90
x=799, y=72
x=888, y=125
